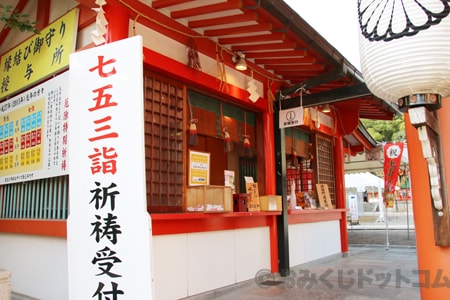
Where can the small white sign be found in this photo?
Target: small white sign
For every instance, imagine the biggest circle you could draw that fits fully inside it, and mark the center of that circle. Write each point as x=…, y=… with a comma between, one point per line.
x=248, y=179
x=291, y=117
x=374, y=155
x=353, y=206
x=273, y=204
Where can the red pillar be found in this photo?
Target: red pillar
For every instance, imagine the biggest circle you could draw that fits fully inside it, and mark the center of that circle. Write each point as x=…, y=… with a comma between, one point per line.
x=431, y=258
x=269, y=154
x=273, y=231
x=118, y=22
x=270, y=182
x=43, y=14
x=340, y=189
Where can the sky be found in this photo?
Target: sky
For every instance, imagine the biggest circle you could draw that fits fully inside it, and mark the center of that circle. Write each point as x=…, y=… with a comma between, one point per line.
x=336, y=21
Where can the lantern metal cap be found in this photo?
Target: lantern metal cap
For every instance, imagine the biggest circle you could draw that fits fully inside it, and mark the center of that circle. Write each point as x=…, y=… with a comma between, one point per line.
x=431, y=101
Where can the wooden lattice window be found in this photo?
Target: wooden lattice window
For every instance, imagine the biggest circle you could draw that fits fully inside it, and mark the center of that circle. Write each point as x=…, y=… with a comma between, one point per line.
x=325, y=164
x=164, y=143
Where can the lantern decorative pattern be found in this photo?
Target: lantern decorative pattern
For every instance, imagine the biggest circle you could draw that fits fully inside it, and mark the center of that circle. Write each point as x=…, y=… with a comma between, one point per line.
x=405, y=48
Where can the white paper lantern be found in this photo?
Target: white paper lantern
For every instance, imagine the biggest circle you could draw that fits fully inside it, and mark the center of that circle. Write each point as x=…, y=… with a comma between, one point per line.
x=405, y=47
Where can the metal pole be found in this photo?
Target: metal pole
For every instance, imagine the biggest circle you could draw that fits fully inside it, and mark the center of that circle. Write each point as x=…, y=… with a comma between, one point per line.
x=408, y=186
x=407, y=213
x=281, y=189
x=387, y=227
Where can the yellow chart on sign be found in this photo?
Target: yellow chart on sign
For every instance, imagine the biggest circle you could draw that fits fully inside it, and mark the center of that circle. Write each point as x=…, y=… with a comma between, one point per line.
x=21, y=139
x=198, y=168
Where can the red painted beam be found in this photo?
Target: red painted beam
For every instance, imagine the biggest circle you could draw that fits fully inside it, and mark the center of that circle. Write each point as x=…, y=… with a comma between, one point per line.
x=43, y=14
x=264, y=47
x=284, y=61
x=164, y=65
x=341, y=202
x=207, y=9
x=163, y=224
x=277, y=36
x=268, y=54
x=153, y=19
x=248, y=17
x=362, y=140
x=242, y=29
x=167, y=3
x=314, y=215
x=87, y=16
x=55, y=228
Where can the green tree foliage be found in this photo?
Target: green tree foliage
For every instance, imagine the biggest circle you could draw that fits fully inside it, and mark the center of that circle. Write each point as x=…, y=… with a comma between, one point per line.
x=386, y=131
x=15, y=20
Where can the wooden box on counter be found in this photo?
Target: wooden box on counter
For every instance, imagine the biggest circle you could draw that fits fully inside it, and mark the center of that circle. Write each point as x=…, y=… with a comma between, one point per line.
x=209, y=198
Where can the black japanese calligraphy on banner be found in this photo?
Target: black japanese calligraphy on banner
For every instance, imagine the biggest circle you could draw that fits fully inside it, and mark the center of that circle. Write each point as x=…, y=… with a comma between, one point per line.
x=108, y=214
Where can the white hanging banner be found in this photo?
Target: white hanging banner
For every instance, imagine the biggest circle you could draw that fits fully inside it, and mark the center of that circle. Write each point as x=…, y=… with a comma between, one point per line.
x=109, y=229
x=291, y=117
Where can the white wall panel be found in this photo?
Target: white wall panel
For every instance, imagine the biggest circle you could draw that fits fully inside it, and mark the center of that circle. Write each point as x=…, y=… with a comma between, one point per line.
x=38, y=265
x=170, y=266
x=211, y=259
x=311, y=241
x=190, y=264
x=183, y=264
x=252, y=252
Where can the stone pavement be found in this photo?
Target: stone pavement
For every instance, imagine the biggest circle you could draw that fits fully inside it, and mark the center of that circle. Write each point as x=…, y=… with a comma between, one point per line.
x=365, y=272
